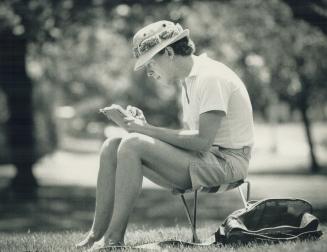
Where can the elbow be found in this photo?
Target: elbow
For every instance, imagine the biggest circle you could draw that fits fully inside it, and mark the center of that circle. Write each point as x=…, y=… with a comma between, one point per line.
x=204, y=146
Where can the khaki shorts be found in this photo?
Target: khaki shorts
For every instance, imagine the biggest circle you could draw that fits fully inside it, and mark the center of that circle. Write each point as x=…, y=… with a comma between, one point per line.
x=219, y=166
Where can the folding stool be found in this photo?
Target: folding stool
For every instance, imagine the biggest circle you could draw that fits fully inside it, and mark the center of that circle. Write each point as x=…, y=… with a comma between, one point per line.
x=216, y=189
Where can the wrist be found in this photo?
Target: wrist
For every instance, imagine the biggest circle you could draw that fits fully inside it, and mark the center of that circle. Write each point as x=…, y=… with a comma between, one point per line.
x=148, y=129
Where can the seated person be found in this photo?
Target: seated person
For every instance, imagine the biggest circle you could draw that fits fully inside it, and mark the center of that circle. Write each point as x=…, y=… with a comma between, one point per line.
x=213, y=148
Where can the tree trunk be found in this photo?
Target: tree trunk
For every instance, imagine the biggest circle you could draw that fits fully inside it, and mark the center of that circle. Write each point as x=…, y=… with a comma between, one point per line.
x=307, y=126
x=20, y=125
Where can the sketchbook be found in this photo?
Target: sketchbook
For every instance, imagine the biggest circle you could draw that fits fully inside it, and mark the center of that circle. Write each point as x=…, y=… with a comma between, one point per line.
x=117, y=114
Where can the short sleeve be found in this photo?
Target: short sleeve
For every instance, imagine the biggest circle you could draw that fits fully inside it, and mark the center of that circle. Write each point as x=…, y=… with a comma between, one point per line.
x=214, y=95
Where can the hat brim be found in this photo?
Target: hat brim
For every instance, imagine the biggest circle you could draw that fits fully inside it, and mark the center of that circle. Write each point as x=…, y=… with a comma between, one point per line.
x=145, y=58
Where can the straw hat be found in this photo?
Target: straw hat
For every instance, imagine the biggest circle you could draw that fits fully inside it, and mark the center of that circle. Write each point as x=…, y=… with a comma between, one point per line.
x=154, y=37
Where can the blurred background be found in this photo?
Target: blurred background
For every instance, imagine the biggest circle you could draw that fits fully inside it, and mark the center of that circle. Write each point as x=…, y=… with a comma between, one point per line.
x=62, y=60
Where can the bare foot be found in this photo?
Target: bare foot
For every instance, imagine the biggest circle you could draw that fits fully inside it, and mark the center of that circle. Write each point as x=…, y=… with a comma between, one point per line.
x=103, y=244
x=97, y=246
x=86, y=242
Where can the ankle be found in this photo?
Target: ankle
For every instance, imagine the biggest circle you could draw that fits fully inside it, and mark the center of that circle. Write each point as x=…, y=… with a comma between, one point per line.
x=114, y=242
x=95, y=236
x=114, y=238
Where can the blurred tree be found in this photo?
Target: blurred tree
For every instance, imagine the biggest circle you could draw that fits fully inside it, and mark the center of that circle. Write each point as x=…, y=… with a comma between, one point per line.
x=300, y=72
x=90, y=61
x=31, y=26
x=314, y=12
x=29, y=125
x=93, y=66
x=281, y=55
x=18, y=88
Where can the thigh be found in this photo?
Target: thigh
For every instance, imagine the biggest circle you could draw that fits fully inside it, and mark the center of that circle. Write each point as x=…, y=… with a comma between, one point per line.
x=158, y=179
x=168, y=162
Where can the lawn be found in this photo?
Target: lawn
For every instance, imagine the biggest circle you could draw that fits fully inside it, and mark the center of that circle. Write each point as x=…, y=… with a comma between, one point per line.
x=63, y=209
x=60, y=216
x=136, y=234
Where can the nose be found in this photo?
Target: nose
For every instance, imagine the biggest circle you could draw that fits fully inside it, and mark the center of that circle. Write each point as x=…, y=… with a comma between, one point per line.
x=153, y=74
x=149, y=73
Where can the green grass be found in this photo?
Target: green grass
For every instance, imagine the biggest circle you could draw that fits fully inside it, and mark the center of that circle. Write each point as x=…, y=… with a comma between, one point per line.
x=136, y=234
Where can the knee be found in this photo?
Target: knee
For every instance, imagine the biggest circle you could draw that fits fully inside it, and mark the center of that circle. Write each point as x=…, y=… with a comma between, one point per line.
x=110, y=145
x=134, y=142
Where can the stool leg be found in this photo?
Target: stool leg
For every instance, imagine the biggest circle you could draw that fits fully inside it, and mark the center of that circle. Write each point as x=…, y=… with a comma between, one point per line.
x=194, y=213
x=248, y=190
x=195, y=237
x=243, y=198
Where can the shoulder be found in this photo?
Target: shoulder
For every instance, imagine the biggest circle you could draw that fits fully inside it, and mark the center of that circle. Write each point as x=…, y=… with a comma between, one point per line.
x=211, y=78
x=221, y=75
x=211, y=70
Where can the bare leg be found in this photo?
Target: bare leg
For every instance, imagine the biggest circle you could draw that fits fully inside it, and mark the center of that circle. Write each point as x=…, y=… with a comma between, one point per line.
x=105, y=191
x=128, y=184
x=134, y=151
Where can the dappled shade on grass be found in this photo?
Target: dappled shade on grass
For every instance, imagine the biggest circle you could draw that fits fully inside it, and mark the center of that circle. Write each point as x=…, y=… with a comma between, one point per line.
x=71, y=208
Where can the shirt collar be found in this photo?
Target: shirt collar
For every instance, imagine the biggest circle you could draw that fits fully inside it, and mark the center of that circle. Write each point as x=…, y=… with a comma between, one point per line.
x=196, y=65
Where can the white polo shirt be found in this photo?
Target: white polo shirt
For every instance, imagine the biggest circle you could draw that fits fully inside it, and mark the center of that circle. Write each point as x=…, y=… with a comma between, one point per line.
x=213, y=86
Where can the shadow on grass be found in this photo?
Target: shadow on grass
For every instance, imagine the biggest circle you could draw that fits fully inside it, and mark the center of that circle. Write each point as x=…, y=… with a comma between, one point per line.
x=300, y=170
x=70, y=208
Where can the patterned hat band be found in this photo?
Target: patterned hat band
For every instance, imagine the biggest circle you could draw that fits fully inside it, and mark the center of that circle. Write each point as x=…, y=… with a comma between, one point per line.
x=149, y=43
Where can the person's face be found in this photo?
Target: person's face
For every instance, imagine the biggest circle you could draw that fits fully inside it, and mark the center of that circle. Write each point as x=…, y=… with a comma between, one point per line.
x=160, y=68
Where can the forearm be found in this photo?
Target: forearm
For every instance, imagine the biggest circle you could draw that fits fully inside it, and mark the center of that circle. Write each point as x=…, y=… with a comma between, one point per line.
x=184, y=138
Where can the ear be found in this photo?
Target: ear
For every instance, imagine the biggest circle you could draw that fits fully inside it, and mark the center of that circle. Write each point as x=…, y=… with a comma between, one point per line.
x=170, y=52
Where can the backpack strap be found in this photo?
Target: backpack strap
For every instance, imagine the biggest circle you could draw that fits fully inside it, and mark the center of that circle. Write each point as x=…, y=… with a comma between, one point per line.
x=250, y=237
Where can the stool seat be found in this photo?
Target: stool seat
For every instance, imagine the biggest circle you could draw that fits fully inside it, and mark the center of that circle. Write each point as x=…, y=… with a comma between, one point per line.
x=215, y=189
